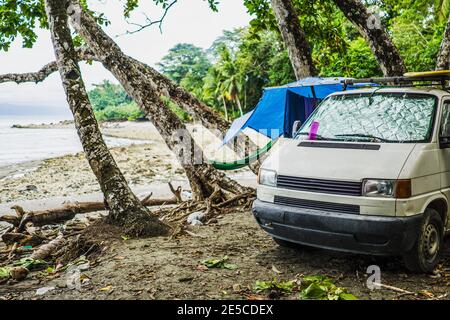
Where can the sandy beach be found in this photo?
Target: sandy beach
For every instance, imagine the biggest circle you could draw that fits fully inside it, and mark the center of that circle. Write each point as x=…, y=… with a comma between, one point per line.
x=147, y=164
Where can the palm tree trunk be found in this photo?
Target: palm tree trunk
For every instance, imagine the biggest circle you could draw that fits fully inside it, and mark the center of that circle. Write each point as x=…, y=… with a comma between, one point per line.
x=238, y=101
x=294, y=38
x=225, y=108
x=369, y=26
x=443, y=57
x=125, y=208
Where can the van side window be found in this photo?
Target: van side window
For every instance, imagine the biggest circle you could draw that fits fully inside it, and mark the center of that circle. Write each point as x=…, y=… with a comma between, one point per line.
x=445, y=120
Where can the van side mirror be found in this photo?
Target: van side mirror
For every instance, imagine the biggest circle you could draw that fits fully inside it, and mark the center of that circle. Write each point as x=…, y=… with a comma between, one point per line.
x=295, y=127
x=444, y=142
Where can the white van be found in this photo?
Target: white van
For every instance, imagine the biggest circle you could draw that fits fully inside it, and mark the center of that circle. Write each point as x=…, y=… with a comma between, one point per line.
x=374, y=178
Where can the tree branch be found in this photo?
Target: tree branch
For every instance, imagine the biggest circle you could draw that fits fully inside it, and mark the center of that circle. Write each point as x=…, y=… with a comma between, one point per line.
x=150, y=22
x=443, y=57
x=294, y=38
x=39, y=76
x=370, y=27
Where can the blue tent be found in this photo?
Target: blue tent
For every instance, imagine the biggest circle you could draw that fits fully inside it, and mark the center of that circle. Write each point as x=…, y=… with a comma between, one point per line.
x=279, y=107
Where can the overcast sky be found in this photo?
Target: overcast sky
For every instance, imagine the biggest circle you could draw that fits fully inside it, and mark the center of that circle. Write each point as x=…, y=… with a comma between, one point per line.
x=189, y=21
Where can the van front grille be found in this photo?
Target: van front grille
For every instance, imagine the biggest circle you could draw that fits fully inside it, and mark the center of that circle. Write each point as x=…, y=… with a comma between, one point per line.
x=317, y=205
x=348, y=188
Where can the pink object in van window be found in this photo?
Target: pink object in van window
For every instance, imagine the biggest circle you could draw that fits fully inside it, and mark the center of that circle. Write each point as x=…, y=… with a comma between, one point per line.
x=313, y=130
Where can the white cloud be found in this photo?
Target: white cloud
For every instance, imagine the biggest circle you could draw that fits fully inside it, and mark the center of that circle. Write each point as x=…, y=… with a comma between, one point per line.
x=189, y=21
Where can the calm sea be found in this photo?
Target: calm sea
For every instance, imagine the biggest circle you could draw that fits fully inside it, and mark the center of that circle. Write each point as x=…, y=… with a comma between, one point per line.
x=23, y=145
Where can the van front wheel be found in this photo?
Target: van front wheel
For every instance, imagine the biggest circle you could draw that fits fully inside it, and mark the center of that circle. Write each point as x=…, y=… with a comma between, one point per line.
x=425, y=254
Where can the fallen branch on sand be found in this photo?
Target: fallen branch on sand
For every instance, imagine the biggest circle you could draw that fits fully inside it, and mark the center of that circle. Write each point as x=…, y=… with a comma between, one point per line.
x=47, y=249
x=69, y=210
x=392, y=288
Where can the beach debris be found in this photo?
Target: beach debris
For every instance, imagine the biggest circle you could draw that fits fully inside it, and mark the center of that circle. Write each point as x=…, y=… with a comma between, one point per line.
x=16, y=273
x=47, y=249
x=44, y=290
x=19, y=273
x=275, y=269
x=31, y=187
x=21, y=239
x=196, y=218
x=219, y=263
x=395, y=289
x=187, y=194
x=201, y=268
x=69, y=209
x=106, y=289
x=255, y=297
x=14, y=220
x=192, y=234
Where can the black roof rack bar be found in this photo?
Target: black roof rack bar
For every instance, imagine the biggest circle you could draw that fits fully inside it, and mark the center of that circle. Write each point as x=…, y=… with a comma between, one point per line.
x=399, y=80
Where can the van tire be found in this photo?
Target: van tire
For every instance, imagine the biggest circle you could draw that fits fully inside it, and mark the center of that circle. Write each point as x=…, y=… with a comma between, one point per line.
x=425, y=254
x=291, y=245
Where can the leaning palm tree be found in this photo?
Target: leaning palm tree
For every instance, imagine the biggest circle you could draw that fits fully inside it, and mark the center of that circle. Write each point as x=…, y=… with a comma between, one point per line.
x=231, y=79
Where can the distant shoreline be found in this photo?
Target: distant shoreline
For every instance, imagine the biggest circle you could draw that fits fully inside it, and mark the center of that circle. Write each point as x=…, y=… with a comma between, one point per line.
x=122, y=129
x=64, y=124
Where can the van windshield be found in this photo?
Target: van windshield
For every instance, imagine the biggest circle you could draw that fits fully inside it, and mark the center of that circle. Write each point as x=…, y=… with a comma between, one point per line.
x=379, y=117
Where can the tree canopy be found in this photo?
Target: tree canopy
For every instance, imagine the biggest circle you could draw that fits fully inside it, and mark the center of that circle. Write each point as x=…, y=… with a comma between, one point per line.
x=232, y=73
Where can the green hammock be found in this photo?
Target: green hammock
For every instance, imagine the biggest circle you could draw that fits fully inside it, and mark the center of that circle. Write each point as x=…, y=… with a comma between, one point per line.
x=237, y=164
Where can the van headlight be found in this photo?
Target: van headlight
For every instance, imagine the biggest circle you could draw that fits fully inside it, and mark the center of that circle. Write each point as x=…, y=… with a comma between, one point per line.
x=267, y=177
x=400, y=189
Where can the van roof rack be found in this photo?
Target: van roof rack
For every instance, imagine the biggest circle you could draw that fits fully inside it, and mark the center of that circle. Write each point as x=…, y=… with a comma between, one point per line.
x=418, y=81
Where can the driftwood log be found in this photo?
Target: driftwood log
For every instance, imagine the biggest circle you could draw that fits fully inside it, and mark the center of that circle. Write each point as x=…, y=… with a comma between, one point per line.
x=69, y=210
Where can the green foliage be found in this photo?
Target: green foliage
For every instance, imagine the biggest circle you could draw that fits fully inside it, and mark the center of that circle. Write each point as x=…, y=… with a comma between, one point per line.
x=111, y=102
x=310, y=287
x=244, y=65
x=129, y=111
x=5, y=273
x=131, y=5
x=230, y=75
x=181, y=114
x=356, y=61
x=417, y=30
x=108, y=94
x=323, y=288
x=19, y=18
x=185, y=60
x=219, y=263
x=30, y=264
x=22, y=17
x=274, y=285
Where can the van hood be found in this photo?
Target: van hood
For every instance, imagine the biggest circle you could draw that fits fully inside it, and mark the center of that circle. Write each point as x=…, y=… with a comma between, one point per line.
x=352, y=161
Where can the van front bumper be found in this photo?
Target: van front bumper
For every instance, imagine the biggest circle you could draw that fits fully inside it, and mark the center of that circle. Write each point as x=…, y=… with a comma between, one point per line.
x=377, y=235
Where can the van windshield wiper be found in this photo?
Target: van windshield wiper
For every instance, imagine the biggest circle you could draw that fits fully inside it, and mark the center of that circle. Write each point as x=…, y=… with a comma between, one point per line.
x=362, y=135
x=318, y=136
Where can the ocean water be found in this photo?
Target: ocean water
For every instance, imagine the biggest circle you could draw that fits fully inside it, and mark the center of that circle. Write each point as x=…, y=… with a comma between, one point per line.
x=24, y=145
